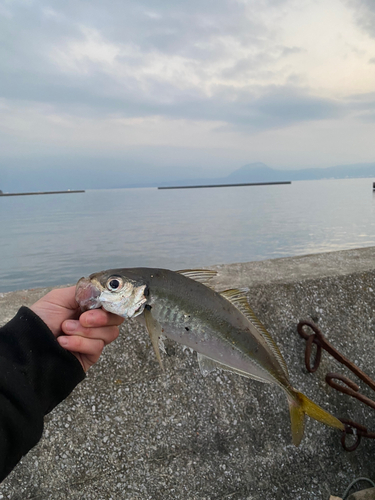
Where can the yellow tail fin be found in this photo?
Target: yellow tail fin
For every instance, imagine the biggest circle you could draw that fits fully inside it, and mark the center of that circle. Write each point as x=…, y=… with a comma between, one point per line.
x=299, y=405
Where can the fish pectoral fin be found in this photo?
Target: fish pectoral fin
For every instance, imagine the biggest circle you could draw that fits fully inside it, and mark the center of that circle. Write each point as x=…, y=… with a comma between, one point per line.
x=201, y=275
x=161, y=344
x=155, y=332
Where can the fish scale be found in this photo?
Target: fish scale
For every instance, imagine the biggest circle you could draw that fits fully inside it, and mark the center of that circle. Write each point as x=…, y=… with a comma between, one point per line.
x=175, y=320
x=169, y=314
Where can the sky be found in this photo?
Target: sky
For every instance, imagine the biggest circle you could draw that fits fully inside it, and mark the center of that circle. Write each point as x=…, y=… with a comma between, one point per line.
x=93, y=90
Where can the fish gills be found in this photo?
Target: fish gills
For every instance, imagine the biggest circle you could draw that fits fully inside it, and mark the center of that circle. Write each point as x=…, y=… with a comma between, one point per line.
x=299, y=406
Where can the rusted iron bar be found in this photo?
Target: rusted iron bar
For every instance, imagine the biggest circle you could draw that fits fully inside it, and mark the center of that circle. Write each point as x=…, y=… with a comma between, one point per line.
x=356, y=429
x=322, y=343
x=350, y=388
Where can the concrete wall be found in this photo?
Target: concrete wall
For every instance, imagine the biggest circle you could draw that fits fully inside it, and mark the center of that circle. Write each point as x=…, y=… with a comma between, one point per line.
x=130, y=431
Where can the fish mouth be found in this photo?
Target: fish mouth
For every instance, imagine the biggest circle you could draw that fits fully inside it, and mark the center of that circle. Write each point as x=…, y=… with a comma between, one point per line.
x=87, y=295
x=139, y=308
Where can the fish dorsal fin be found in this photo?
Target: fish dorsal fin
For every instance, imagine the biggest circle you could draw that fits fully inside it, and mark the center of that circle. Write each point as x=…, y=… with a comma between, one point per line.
x=201, y=275
x=239, y=300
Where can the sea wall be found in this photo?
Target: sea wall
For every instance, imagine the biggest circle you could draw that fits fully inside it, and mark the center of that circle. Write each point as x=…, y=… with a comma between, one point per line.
x=130, y=431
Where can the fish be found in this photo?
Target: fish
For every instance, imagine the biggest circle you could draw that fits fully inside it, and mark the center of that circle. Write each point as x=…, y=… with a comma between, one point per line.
x=220, y=326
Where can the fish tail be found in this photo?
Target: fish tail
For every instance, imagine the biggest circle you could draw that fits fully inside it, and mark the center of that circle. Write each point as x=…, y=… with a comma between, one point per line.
x=299, y=406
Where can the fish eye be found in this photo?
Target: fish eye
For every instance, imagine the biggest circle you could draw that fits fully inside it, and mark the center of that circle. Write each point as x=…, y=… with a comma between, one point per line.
x=114, y=284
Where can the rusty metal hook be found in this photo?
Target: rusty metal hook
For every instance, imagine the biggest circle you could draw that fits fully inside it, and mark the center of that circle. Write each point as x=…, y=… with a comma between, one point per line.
x=349, y=388
x=352, y=428
x=322, y=343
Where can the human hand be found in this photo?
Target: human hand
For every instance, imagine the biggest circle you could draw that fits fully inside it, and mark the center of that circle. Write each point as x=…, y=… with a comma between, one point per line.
x=85, y=335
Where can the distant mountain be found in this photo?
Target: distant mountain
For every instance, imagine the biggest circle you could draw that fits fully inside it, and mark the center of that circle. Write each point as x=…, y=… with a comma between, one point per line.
x=259, y=172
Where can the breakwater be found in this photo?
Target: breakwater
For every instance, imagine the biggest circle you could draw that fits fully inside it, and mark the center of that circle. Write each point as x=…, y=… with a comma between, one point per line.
x=42, y=192
x=133, y=432
x=225, y=185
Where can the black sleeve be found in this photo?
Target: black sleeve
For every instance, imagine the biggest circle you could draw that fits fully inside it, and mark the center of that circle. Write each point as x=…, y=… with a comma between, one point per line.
x=36, y=374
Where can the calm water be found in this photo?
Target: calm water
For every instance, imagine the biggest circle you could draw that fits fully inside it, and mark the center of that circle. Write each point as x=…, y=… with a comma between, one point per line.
x=55, y=239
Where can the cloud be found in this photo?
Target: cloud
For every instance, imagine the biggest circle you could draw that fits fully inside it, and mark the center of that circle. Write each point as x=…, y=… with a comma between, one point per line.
x=180, y=60
x=365, y=14
x=176, y=73
x=121, y=51
x=259, y=109
x=362, y=106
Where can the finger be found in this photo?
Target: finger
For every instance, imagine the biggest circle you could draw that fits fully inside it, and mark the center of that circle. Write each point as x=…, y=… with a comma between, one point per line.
x=85, y=350
x=106, y=333
x=82, y=345
x=98, y=317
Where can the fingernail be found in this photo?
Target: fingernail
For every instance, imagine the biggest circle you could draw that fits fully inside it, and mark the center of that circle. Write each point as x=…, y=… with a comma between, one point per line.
x=70, y=325
x=63, y=341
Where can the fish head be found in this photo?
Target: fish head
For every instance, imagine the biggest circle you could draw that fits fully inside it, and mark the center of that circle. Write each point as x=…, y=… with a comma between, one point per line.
x=114, y=291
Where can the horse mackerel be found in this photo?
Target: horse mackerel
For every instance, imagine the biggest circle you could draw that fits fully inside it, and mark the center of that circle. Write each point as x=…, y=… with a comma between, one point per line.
x=221, y=327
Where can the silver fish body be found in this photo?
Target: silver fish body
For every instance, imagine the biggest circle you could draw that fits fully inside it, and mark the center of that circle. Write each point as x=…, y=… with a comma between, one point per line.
x=221, y=327
x=198, y=317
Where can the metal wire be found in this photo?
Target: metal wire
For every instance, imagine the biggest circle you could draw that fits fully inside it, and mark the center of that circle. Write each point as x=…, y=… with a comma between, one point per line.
x=337, y=381
x=346, y=492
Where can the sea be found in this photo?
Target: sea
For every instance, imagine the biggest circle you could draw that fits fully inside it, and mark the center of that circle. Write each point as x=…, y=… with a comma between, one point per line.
x=51, y=240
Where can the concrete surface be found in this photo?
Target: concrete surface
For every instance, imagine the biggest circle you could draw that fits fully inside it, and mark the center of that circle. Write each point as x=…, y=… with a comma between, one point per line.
x=130, y=431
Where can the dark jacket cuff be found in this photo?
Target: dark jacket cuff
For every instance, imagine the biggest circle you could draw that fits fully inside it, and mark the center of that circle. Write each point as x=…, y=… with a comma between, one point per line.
x=51, y=371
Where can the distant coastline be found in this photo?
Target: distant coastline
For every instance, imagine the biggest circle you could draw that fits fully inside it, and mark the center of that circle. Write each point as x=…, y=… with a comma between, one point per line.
x=43, y=192
x=259, y=173
x=114, y=177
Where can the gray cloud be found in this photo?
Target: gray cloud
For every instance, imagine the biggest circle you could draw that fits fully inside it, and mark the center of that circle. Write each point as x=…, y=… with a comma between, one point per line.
x=258, y=65
x=194, y=30
x=275, y=107
x=362, y=106
x=168, y=26
x=268, y=107
x=365, y=14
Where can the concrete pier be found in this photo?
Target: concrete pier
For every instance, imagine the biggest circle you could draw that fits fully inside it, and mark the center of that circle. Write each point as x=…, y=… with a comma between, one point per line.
x=130, y=431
